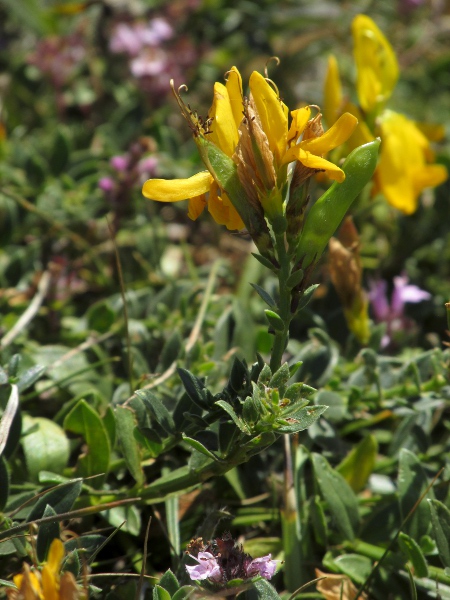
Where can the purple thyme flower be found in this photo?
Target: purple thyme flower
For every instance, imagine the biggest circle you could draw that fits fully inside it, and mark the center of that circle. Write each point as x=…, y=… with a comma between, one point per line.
x=106, y=184
x=263, y=566
x=207, y=568
x=119, y=163
x=393, y=313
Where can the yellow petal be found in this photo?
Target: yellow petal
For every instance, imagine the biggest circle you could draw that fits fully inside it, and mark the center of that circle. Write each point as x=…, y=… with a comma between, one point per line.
x=362, y=134
x=235, y=93
x=403, y=172
x=49, y=584
x=55, y=555
x=222, y=211
x=320, y=164
x=173, y=190
x=376, y=63
x=224, y=132
x=300, y=117
x=432, y=131
x=196, y=206
x=332, y=92
x=271, y=113
x=335, y=136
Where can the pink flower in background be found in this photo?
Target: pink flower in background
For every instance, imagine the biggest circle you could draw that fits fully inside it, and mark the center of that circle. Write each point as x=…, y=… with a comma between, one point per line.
x=119, y=163
x=131, y=38
x=264, y=566
x=59, y=57
x=106, y=184
x=207, y=568
x=393, y=312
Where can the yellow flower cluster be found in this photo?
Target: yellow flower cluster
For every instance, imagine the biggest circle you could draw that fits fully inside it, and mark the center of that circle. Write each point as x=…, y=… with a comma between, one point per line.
x=47, y=584
x=262, y=138
x=405, y=167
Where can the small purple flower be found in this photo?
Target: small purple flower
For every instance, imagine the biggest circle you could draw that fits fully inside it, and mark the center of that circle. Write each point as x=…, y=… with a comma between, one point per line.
x=158, y=30
x=207, y=568
x=119, y=163
x=147, y=166
x=393, y=313
x=106, y=184
x=124, y=39
x=264, y=566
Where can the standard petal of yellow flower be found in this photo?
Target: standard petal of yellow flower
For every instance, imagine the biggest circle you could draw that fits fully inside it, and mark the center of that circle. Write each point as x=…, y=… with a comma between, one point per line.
x=335, y=136
x=362, y=134
x=173, y=190
x=433, y=132
x=222, y=211
x=300, y=118
x=402, y=172
x=376, y=63
x=224, y=132
x=272, y=114
x=332, y=96
x=50, y=583
x=55, y=556
x=235, y=94
x=320, y=164
x=196, y=206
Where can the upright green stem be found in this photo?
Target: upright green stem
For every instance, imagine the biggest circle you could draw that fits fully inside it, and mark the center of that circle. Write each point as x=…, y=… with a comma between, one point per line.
x=284, y=307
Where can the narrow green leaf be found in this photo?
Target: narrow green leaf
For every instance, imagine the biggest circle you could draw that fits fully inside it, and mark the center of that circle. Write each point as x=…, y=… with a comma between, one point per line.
x=307, y=297
x=294, y=279
x=339, y=496
x=264, y=261
x=413, y=553
x=46, y=534
x=229, y=409
x=412, y=482
x=4, y=483
x=61, y=499
x=196, y=445
x=157, y=410
x=194, y=387
x=9, y=415
x=440, y=519
x=125, y=426
x=359, y=463
x=264, y=295
x=30, y=376
x=280, y=378
x=275, y=320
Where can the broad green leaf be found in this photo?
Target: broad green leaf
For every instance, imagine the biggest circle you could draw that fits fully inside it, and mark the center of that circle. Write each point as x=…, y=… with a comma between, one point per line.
x=125, y=425
x=61, y=499
x=358, y=465
x=46, y=447
x=440, y=518
x=413, y=553
x=339, y=496
x=302, y=419
x=260, y=590
x=355, y=566
x=85, y=421
x=30, y=376
x=412, y=482
x=130, y=514
x=169, y=582
x=159, y=593
x=184, y=592
x=46, y=534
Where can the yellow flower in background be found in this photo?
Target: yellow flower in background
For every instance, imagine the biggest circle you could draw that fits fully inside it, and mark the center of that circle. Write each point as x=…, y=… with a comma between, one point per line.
x=255, y=133
x=376, y=63
x=404, y=170
x=47, y=584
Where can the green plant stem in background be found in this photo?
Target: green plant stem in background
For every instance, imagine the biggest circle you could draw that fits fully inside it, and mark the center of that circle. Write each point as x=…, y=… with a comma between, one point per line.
x=284, y=306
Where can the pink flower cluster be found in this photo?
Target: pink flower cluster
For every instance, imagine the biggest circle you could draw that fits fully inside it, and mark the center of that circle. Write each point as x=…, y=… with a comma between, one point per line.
x=222, y=560
x=155, y=54
x=393, y=312
x=59, y=57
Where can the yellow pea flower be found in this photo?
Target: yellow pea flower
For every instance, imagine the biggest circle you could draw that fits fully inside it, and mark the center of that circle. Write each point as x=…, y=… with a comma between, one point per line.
x=47, y=584
x=376, y=64
x=404, y=169
x=255, y=133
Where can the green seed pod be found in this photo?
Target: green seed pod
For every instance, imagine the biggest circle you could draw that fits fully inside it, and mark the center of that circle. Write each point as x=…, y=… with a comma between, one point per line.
x=327, y=213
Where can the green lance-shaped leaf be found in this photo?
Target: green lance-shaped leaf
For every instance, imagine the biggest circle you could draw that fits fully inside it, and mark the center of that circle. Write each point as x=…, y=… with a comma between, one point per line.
x=358, y=465
x=414, y=554
x=440, y=518
x=327, y=213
